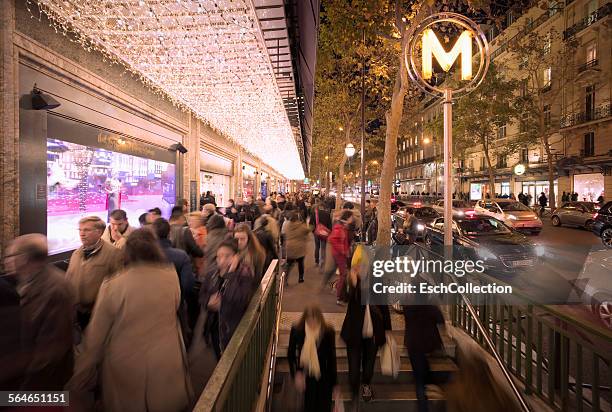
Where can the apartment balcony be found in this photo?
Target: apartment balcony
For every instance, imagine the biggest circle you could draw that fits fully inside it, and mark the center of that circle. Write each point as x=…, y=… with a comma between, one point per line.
x=588, y=65
x=575, y=119
x=598, y=15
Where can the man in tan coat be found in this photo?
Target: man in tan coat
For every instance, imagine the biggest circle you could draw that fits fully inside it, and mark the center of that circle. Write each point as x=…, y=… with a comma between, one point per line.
x=90, y=264
x=119, y=229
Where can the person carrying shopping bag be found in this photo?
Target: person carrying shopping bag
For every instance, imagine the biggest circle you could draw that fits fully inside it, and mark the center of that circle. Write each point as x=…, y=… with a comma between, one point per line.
x=364, y=329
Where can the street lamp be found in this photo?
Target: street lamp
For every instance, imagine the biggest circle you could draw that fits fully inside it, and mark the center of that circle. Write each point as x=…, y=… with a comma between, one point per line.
x=349, y=150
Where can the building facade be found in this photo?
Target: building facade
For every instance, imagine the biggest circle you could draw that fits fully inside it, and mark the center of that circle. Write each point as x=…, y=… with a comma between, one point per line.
x=577, y=109
x=80, y=135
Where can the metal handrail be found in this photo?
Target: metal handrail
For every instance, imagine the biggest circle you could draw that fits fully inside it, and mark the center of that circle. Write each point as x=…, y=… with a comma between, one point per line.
x=218, y=388
x=515, y=390
x=546, y=370
x=272, y=367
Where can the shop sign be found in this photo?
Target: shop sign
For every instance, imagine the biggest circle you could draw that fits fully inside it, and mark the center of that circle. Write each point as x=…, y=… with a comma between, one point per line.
x=519, y=169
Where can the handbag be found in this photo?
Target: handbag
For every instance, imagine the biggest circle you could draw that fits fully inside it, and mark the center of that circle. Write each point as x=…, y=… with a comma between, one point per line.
x=390, y=357
x=321, y=231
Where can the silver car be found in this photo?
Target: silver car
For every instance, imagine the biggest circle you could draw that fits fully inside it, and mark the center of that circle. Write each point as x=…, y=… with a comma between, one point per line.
x=595, y=284
x=574, y=214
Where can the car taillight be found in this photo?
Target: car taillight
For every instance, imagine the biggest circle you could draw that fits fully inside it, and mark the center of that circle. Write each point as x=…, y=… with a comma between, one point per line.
x=595, y=215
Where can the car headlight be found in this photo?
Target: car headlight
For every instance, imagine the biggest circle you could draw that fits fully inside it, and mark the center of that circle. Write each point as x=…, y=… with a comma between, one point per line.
x=512, y=217
x=460, y=213
x=540, y=250
x=420, y=227
x=486, y=254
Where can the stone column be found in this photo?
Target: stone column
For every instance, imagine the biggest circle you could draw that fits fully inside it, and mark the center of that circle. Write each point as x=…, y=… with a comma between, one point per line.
x=238, y=183
x=191, y=160
x=9, y=127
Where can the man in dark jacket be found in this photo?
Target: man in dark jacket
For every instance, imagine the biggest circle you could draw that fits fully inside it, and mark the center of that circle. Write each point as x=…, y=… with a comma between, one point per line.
x=423, y=322
x=189, y=309
x=177, y=257
x=543, y=201
x=47, y=308
x=320, y=214
x=10, y=337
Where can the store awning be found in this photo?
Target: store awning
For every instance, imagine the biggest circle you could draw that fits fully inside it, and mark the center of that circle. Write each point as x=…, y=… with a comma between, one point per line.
x=210, y=57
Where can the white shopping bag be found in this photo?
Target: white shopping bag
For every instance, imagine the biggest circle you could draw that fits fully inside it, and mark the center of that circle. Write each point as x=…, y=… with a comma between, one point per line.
x=390, y=357
x=338, y=405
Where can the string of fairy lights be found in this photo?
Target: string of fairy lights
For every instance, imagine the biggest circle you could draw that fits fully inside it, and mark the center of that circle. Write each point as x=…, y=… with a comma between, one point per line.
x=208, y=56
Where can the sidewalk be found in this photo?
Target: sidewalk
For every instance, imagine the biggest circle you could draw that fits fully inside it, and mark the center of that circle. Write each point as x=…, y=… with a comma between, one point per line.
x=297, y=296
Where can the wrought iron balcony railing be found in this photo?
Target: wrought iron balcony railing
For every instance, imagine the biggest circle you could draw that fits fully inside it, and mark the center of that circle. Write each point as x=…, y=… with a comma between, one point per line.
x=597, y=15
x=599, y=112
x=587, y=65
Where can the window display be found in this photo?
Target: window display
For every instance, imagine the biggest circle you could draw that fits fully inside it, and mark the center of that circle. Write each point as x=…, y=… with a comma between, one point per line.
x=589, y=186
x=85, y=180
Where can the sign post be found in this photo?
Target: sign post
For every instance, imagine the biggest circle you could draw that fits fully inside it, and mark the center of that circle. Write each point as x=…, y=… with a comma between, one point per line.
x=423, y=47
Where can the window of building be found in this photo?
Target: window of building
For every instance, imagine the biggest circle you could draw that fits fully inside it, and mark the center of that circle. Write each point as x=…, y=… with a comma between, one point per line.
x=524, y=154
x=589, y=102
x=591, y=7
x=502, y=162
x=547, y=115
x=547, y=43
x=421, y=154
x=523, y=88
x=483, y=163
x=501, y=131
x=547, y=77
x=523, y=122
x=589, y=144
x=510, y=18
x=591, y=53
x=553, y=8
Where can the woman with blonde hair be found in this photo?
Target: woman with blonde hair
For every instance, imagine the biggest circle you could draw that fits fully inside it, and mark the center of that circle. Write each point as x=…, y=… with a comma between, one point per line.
x=251, y=251
x=312, y=360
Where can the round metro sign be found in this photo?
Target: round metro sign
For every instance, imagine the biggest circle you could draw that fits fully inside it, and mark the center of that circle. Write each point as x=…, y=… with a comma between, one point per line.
x=519, y=169
x=425, y=36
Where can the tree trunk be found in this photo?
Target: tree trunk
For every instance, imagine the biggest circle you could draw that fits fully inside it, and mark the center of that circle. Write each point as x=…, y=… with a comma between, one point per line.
x=551, y=173
x=393, y=118
x=340, y=185
x=490, y=172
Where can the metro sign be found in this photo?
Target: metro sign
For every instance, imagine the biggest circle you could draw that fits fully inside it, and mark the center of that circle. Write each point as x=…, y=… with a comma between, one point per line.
x=431, y=48
x=424, y=46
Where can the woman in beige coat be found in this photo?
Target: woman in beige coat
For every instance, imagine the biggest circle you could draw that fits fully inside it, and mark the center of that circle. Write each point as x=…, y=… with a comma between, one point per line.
x=296, y=235
x=133, y=343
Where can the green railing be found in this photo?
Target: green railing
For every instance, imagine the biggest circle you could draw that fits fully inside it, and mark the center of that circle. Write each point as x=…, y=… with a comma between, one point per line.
x=242, y=372
x=565, y=362
x=557, y=358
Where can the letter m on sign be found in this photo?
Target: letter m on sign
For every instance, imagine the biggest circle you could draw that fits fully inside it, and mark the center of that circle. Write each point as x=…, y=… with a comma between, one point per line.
x=431, y=47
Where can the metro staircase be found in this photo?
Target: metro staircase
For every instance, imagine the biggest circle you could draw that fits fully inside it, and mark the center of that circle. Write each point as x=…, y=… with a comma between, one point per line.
x=390, y=394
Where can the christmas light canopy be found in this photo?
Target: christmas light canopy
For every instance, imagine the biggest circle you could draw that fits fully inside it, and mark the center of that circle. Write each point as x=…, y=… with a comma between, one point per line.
x=206, y=56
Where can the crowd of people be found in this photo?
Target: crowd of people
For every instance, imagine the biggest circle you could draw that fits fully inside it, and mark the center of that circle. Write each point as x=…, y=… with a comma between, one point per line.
x=117, y=326
x=146, y=288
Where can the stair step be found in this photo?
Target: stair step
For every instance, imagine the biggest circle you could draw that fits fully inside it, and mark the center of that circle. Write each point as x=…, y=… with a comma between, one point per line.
x=283, y=344
x=441, y=369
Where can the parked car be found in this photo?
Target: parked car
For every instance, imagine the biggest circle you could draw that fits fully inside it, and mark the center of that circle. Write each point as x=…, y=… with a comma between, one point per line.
x=396, y=204
x=602, y=224
x=459, y=206
x=595, y=282
x=476, y=236
x=574, y=214
x=512, y=213
x=425, y=215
